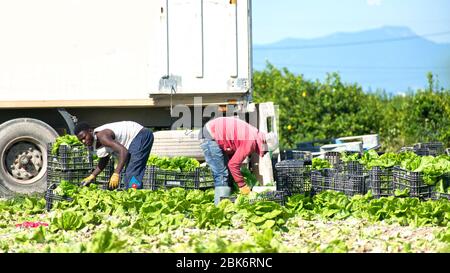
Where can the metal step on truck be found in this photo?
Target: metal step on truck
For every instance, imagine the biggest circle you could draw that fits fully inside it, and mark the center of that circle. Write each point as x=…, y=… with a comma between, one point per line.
x=160, y=63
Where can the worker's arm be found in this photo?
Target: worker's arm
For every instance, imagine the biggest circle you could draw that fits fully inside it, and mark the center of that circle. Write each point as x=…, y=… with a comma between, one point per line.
x=106, y=138
x=235, y=163
x=101, y=165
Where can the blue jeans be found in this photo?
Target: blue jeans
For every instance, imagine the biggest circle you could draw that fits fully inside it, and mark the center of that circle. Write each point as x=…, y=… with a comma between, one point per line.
x=139, y=151
x=217, y=161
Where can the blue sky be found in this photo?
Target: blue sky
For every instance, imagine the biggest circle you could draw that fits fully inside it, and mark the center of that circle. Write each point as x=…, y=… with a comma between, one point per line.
x=275, y=20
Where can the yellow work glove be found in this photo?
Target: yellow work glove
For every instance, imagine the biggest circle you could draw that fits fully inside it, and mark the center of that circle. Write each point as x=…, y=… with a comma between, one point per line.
x=245, y=190
x=114, y=181
x=87, y=180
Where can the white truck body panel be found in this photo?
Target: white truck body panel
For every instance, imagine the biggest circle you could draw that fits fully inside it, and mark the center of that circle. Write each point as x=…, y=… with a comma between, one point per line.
x=122, y=50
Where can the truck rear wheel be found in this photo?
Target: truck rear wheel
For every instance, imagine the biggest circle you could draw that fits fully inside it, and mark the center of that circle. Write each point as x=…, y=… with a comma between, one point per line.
x=23, y=155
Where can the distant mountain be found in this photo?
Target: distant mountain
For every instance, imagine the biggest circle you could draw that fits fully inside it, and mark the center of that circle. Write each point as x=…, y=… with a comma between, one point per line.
x=391, y=58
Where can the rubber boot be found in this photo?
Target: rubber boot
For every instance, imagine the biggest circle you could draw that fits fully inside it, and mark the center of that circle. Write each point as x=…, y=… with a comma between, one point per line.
x=221, y=191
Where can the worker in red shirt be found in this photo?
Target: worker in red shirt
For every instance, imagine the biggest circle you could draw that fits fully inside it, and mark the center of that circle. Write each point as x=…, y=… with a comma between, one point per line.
x=227, y=142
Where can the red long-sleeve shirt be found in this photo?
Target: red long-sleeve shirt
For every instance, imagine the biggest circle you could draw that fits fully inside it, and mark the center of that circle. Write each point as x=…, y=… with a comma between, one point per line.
x=238, y=140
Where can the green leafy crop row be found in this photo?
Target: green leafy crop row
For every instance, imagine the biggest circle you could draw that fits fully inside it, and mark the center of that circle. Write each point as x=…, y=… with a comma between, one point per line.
x=177, y=163
x=125, y=221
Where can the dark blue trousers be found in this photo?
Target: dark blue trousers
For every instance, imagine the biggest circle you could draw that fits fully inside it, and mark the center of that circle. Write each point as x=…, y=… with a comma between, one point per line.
x=139, y=152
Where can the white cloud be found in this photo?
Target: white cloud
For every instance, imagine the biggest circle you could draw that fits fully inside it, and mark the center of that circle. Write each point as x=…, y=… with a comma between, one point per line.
x=373, y=2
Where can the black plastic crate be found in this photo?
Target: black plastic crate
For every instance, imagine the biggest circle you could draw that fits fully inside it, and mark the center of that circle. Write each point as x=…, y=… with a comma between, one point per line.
x=351, y=183
x=69, y=158
x=51, y=197
x=204, y=178
x=429, y=148
x=56, y=176
x=351, y=167
x=335, y=157
x=381, y=182
x=348, y=177
x=155, y=178
x=323, y=180
x=412, y=181
x=293, y=177
x=440, y=195
x=105, y=175
x=76, y=177
x=102, y=179
x=149, y=181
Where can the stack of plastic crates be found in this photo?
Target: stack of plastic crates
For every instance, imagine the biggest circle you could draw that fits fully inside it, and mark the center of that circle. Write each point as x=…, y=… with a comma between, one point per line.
x=411, y=184
x=199, y=179
x=381, y=182
x=323, y=180
x=351, y=178
x=430, y=148
x=293, y=177
x=51, y=196
x=70, y=163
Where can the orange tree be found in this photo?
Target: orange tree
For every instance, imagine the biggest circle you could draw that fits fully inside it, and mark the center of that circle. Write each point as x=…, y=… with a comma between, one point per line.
x=311, y=110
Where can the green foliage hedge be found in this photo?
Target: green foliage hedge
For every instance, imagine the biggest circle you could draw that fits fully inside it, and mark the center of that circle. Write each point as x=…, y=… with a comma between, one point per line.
x=314, y=110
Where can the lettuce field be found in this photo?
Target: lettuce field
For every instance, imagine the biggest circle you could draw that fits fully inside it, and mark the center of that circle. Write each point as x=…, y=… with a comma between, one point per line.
x=179, y=220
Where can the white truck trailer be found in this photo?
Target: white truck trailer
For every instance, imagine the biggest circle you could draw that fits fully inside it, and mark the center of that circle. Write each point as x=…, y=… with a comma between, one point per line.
x=102, y=61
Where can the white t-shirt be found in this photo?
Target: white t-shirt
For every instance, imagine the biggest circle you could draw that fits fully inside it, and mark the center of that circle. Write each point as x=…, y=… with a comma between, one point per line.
x=124, y=131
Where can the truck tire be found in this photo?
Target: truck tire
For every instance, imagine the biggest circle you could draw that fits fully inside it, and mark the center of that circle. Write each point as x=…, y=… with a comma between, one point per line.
x=23, y=156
